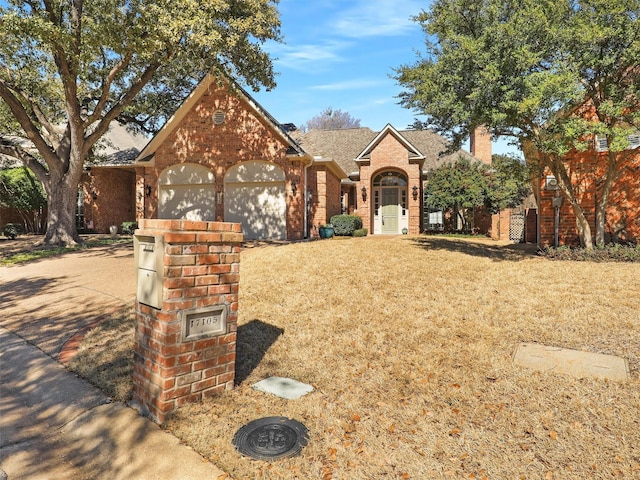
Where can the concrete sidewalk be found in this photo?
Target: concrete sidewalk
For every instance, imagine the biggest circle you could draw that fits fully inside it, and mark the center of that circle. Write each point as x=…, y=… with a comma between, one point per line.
x=54, y=425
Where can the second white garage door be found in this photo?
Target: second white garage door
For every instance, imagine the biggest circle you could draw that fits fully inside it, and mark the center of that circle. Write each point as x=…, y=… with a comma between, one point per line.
x=254, y=196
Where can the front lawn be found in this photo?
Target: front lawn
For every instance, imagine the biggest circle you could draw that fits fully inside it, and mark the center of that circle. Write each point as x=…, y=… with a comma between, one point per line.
x=408, y=343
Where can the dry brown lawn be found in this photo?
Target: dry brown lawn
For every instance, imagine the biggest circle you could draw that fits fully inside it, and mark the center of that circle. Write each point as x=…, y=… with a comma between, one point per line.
x=409, y=343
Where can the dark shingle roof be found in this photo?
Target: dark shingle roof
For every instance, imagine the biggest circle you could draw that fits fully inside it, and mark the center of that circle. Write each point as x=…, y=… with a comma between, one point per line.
x=344, y=145
x=119, y=146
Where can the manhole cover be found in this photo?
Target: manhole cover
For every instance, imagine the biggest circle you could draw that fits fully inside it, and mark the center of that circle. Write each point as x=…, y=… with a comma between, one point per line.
x=271, y=438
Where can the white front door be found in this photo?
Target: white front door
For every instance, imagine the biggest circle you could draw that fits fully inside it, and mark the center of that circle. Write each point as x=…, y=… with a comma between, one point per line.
x=389, y=207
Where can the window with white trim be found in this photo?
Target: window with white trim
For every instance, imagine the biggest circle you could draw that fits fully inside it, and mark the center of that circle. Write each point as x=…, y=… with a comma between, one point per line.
x=603, y=146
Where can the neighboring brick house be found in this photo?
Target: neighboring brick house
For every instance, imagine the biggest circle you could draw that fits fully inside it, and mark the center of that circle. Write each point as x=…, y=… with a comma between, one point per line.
x=106, y=196
x=586, y=171
x=222, y=157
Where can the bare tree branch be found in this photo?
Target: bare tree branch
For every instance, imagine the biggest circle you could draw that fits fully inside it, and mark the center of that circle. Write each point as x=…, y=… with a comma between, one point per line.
x=23, y=118
x=103, y=125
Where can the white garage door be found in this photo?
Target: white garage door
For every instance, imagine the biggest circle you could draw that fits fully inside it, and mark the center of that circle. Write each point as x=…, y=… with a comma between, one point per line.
x=254, y=196
x=187, y=191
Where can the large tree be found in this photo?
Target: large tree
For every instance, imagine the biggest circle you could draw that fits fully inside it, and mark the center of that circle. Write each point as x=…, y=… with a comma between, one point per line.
x=508, y=183
x=460, y=187
x=550, y=74
x=21, y=191
x=331, y=119
x=68, y=68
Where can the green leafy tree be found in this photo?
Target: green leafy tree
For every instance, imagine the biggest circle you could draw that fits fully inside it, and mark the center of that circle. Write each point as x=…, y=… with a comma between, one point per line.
x=508, y=183
x=550, y=74
x=459, y=187
x=68, y=68
x=330, y=119
x=19, y=189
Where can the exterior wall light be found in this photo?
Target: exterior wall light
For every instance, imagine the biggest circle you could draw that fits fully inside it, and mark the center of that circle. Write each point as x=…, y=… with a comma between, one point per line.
x=415, y=192
x=147, y=190
x=364, y=193
x=294, y=188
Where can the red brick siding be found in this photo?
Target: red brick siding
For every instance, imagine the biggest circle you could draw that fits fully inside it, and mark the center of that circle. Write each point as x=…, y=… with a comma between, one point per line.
x=317, y=184
x=390, y=154
x=334, y=188
x=201, y=269
x=480, y=144
x=325, y=198
x=623, y=212
x=244, y=136
x=114, y=202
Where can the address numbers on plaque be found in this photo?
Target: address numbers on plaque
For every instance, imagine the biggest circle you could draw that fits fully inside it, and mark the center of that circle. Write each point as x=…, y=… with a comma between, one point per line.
x=197, y=324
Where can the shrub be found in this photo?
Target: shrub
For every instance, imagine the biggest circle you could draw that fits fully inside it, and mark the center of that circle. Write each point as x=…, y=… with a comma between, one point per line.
x=127, y=228
x=360, y=232
x=614, y=252
x=12, y=230
x=346, y=224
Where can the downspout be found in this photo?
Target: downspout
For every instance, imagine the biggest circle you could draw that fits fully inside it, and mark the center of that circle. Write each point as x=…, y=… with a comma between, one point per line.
x=556, y=227
x=306, y=204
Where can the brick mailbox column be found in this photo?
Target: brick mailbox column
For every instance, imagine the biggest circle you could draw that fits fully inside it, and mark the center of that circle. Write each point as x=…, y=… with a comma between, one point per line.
x=188, y=275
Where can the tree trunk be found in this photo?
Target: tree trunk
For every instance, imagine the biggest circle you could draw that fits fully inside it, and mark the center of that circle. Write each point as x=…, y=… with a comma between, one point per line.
x=603, y=200
x=582, y=225
x=62, y=195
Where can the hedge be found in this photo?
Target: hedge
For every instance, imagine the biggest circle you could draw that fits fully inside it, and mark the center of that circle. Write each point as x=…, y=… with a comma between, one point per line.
x=346, y=224
x=127, y=228
x=12, y=230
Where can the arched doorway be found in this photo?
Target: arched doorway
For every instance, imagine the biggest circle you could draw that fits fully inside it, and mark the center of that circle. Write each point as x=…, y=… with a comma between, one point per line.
x=187, y=191
x=390, y=214
x=254, y=196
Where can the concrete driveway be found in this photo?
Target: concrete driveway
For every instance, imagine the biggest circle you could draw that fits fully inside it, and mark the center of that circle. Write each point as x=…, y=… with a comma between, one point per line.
x=45, y=302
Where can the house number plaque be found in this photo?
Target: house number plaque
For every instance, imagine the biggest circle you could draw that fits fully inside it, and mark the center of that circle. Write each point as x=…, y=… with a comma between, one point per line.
x=197, y=324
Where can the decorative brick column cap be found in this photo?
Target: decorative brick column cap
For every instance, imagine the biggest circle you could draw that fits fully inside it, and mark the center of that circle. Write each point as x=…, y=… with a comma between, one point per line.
x=188, y=231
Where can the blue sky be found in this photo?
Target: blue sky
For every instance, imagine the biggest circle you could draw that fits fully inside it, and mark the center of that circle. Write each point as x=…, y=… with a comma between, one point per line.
x=342, y=54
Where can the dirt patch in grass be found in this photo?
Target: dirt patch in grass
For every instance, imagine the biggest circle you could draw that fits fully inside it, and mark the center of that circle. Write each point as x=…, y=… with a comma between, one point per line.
x=408, y=343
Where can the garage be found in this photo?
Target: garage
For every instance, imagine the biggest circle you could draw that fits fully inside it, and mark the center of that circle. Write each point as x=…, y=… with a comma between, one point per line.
x=187, y=191
x=254, y=196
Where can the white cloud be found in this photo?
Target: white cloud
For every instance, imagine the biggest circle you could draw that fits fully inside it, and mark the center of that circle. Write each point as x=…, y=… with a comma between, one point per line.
x=302, y=57
x=369, y=18
x=349, y=85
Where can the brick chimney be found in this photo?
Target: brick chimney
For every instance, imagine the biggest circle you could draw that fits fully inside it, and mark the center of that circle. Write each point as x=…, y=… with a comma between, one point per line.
x=480, y=144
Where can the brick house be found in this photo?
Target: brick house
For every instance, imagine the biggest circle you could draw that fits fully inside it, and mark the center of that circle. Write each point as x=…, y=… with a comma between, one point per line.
x=223, y=157
x=385, y=173
x=106, y=196
x=585, y=169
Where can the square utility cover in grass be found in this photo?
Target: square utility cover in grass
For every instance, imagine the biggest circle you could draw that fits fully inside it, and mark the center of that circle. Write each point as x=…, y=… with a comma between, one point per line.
x=571, y=362
x=283, y=387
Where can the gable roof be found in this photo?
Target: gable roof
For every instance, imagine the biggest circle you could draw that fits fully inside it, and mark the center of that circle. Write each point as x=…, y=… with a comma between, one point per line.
x=192, y=100
x=346, y=146
x=118, y=147
x=414, y=153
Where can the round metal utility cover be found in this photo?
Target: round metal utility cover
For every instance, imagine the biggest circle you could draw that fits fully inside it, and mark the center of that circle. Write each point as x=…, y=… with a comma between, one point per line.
x=271, y=438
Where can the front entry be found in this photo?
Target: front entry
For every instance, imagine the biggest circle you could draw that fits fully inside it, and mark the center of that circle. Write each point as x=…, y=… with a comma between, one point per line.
x=390, y=213
x=389, y=210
